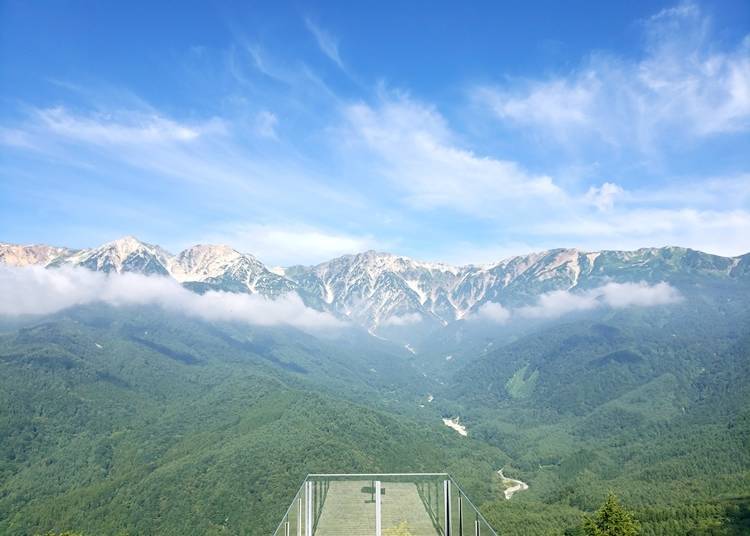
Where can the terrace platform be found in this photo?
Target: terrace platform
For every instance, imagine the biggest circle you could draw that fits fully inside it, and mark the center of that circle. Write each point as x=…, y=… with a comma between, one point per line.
x=419, y=504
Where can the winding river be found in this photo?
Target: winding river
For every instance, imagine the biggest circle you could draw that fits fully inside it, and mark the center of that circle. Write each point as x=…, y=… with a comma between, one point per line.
x=517, y=485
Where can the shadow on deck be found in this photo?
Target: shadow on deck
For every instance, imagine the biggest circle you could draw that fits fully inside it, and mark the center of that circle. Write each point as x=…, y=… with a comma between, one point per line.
x=421, y=504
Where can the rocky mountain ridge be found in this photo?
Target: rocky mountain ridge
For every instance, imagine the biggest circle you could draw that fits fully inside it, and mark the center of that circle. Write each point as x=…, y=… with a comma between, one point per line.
x=378, y=290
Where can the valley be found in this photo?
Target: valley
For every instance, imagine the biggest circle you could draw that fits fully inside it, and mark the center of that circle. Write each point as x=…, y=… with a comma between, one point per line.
x=124, y=418
x=375, y=268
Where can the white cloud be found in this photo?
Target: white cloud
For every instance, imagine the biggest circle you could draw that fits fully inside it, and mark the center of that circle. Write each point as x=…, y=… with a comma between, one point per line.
x=619, y=295
x=414, y=147
x=286, y=245
x=403, y=320
x=557, y=303
x=327, y=43
x=615, y=295
x=36, y=291
x=122, y=128
x=719, y=232
x=557, y=103
x=603, y=197
x=493, y=312
x=200, y=153
x=395, y=154
x=211, y=157
x=682, y=84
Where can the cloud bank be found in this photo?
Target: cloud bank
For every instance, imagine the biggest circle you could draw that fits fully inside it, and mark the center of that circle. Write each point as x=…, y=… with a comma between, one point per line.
x=493, y=312
x=557, y=303
x=36, y=291
x=403, y=320
x=615, y=295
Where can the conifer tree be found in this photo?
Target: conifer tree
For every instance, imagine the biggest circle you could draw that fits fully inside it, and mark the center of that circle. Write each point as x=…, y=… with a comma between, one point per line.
x=612, y=519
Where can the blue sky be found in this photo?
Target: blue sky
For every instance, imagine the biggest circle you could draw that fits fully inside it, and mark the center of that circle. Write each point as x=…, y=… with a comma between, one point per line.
x=300, y=132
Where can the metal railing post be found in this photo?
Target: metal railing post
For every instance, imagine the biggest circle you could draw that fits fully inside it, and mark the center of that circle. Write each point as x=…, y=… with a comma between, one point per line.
x=460, y=515
x=308, y=509
x=299, y=516
x=311, y=499
x=378, y=510
x=447, y=509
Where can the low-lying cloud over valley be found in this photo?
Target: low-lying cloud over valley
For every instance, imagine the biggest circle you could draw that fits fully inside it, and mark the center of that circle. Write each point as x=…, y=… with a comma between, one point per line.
x=35, y=290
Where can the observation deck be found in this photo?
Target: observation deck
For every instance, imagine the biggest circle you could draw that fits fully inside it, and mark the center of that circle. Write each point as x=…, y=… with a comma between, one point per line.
x=393, y=504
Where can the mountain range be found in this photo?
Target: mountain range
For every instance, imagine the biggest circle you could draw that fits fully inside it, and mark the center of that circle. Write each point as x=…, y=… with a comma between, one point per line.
x=379, y=290
x=131, y=418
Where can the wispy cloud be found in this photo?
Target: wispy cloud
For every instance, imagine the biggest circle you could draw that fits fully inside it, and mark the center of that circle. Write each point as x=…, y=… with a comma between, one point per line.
x=284, y=166
x=37, y=291
x=211, y=152
x=288, y=244
x=327, y=43
x=221, y=167
x=682, y=85
x=415, y=149
x=123, y=128
x=266, y=124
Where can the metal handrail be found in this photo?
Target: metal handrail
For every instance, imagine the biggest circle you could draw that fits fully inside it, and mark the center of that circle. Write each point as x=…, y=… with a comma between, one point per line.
x=370, y=476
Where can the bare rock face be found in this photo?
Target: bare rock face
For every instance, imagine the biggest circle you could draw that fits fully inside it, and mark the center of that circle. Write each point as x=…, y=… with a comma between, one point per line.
x=32, y=255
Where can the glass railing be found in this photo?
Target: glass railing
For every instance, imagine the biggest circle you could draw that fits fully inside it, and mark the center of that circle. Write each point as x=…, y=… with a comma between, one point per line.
x=424, y=504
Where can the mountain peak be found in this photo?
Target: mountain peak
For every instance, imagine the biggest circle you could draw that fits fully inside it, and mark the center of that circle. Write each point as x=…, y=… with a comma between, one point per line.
x=210, y=249
x=126, y=254
x=205, y=261
x=374, y=287
x=126, y=244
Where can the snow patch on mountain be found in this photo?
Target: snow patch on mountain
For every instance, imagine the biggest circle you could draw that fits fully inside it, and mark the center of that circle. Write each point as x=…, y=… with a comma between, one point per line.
x=203, y=262
x=379, y=290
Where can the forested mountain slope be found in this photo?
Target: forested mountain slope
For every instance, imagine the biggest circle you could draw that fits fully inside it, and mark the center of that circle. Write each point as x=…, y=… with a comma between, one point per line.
x=652, y=403
x=124, y=421
x=144, y=419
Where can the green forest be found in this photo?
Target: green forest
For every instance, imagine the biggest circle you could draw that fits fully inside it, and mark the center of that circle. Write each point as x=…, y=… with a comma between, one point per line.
x=129, y=421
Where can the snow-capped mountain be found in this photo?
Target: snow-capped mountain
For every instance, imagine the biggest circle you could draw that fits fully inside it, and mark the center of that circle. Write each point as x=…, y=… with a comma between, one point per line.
x=378, y=290
x=128, y=254
x=204, y=267
x=201, y=267
x=41, y=255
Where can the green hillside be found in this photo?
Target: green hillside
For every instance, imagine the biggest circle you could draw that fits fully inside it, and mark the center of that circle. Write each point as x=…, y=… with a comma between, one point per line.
x=654, y=404
x=130, y=420
x=106, y=430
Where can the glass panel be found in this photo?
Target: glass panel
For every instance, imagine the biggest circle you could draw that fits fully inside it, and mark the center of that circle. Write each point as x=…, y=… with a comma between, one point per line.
x=411, y=505
x=484, y=528
x=295, y=526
